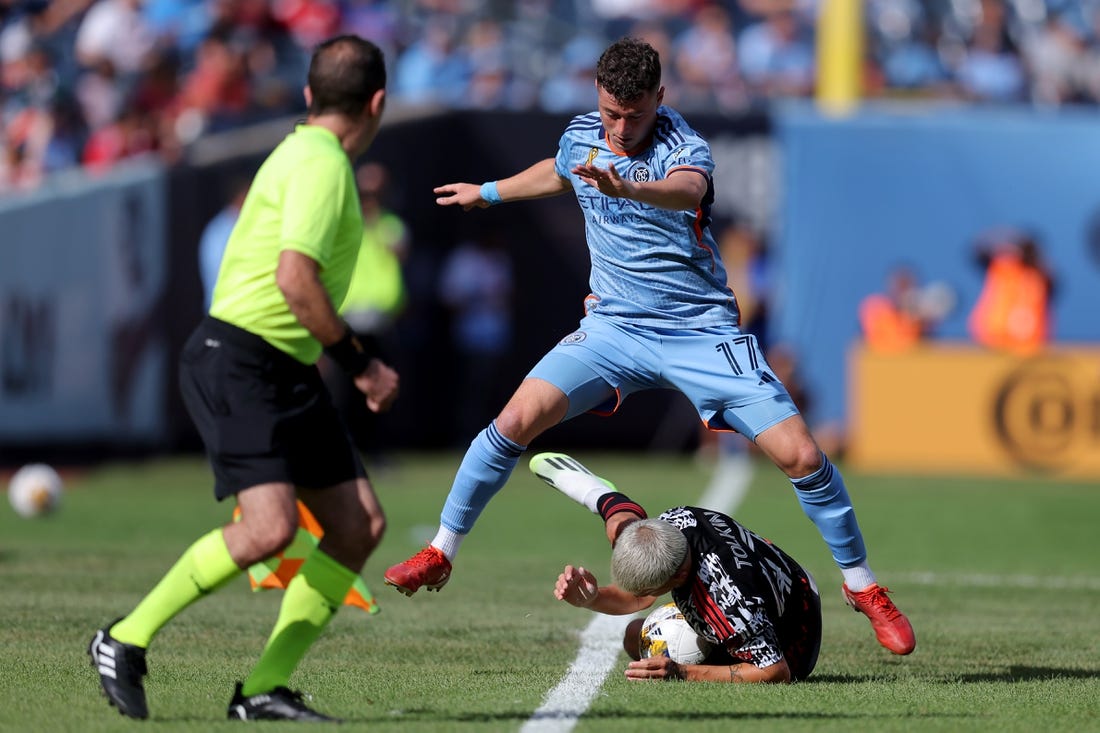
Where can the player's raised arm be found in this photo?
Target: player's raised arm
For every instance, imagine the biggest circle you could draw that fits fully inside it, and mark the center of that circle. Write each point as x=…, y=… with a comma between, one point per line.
x=538, y=181
x=682, y=189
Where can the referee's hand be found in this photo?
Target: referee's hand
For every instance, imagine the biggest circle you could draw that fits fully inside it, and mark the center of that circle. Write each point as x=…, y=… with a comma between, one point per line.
x=380, y=383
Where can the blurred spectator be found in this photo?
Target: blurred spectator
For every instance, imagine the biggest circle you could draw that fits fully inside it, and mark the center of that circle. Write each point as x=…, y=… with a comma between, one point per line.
x=117, y=31
x=902, y=317
x=191, y=67
x=217, y=88
x=571, y=89
x=43, y=129
x=1013, y=309
x=375, y=299
x=706, y=62
x=907, y=51
x=308, y=21
x=476, y=285
x=991, y=69
x=100, y=93
x=1055, y=55
x=179, y=23
x=485, y=67
x=133, y=133
x=777, y=54
x=426, y=73
x=377, y=295
x=215, y=235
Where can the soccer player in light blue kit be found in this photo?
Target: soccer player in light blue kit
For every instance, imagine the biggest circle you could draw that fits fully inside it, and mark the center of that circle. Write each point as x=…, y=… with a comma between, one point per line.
x=660, y=316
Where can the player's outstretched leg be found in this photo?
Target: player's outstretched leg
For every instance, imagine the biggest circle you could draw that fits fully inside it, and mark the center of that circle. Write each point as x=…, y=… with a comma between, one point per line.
x=120, y=667
x=484, y=470
x=598, y=495
x=570, y=477
x=824, y=499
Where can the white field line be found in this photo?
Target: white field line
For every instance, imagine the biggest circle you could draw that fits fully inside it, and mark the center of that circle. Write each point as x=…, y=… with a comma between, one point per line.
x=601, y=640
x=1037, y=582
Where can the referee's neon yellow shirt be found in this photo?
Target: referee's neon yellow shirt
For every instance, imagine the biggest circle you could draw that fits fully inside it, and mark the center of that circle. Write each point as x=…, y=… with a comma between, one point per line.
x=303, y=198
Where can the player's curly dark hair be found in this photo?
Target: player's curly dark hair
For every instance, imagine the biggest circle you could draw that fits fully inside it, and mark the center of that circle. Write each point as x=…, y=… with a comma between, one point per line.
x=344, y=74
x=629, y=68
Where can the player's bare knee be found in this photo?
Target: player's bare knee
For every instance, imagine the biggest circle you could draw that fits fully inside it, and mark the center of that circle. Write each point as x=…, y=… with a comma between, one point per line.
x=810, y=459
x=510, y=423
x=271, y=537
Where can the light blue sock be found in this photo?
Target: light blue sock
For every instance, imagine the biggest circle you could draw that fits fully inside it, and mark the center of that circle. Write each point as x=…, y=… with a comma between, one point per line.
x=485, y=469
x=825, y=501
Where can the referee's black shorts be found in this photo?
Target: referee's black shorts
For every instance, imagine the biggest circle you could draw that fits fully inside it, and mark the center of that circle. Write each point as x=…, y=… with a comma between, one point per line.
x=263, y=416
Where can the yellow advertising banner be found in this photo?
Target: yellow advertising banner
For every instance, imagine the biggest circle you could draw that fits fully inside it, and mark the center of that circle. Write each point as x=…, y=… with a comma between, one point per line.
x=958, y=408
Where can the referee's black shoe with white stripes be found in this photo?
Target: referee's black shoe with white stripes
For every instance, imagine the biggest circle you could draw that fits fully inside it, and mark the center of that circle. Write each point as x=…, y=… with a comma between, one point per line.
x=279, y=704
x=120, y=667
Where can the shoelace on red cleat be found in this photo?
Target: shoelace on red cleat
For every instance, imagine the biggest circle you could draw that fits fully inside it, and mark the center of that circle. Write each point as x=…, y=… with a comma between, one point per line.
x=423, y=558
x=880, y=600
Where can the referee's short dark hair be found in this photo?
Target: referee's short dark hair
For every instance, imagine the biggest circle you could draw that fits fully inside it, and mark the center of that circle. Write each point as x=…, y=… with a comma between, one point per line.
x=344, y=74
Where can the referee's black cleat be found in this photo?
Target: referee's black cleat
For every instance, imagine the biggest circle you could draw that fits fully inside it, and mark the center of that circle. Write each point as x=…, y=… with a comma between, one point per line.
x=279, y=704
x=120, y=667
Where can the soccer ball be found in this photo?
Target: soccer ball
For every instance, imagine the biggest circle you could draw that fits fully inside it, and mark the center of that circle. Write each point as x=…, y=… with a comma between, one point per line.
x=34, y=490
x=665, y=633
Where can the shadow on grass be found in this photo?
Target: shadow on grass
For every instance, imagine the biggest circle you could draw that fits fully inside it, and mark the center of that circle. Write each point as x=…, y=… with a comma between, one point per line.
x=1014, y=673
x=1024, y=673
x=435, y=716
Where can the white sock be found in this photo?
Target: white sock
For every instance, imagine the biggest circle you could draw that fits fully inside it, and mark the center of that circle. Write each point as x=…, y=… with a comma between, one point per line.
x=583, y=488
x=568, y=476
x=448, y=542
x=859, y=577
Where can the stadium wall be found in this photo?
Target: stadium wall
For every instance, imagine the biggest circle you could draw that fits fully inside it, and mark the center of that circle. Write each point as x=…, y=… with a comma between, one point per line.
x=886, y=186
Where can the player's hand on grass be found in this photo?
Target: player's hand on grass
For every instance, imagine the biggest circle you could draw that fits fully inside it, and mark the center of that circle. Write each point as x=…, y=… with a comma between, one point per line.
x=654, y=668
x=466, y=195
x=577, y=587
x=380, y=383
x=608, y=180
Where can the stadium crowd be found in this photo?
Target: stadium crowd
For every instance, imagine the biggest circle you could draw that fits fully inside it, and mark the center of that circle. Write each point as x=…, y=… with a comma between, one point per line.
x=90, y=82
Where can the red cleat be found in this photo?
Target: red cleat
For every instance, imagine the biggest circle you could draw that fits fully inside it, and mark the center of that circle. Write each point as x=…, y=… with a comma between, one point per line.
x=891, y=627
x=429, y=568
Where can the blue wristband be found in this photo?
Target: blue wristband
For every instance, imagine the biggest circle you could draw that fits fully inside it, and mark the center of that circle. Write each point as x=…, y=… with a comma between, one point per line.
x=490, y=193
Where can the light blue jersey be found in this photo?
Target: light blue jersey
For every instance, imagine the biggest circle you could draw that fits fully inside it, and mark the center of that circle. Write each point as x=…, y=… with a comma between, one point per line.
x=650, y=266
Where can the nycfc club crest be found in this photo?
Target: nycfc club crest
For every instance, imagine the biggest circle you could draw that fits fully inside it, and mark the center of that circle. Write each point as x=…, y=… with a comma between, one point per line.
x=640, y=174
x=574, y=338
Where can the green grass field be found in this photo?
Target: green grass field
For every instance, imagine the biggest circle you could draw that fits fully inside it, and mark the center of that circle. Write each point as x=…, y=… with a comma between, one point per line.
x=999, y=578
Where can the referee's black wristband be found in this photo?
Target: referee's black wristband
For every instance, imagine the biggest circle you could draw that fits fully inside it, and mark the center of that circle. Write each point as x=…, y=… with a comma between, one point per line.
x=353, y=353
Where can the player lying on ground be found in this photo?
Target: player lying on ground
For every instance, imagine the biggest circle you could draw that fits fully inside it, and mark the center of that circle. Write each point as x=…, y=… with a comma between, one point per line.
x=758, y=607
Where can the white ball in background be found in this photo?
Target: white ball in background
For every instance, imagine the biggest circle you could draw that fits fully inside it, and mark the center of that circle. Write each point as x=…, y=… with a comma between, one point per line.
x=35, y=490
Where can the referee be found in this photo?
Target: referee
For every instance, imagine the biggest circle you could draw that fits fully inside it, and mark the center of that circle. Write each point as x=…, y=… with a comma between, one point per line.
x=250, y=383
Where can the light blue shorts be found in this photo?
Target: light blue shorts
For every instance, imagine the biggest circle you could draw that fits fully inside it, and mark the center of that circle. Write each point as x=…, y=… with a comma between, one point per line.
x=720, y=369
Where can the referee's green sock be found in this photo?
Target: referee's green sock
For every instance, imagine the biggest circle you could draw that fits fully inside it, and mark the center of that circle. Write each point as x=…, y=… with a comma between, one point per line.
x=204, y=567
x=312, y=599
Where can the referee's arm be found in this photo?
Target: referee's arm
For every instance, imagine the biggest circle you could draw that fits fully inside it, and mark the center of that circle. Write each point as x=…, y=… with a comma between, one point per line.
x=298, y=278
